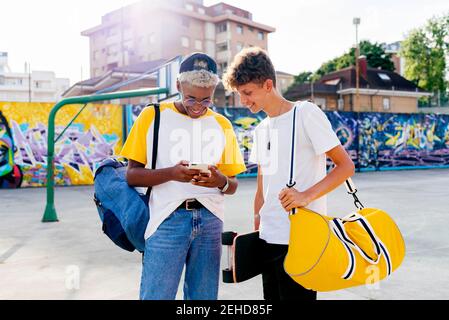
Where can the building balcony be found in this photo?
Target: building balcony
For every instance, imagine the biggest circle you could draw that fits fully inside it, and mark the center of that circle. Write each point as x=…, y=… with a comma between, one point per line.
x=11, y=88
x=223, y=56
x=115, y=39
x=221, y=37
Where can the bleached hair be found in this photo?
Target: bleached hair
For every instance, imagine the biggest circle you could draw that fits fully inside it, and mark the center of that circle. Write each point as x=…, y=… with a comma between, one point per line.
x=199, y=78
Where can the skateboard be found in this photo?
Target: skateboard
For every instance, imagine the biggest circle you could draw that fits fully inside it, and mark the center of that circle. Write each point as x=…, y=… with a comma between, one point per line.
x=245, y=260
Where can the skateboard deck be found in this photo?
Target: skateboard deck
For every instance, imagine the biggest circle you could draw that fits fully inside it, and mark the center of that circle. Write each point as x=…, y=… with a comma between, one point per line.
x=245, y=259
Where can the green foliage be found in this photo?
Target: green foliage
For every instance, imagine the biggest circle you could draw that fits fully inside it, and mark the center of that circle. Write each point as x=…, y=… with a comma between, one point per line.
x=426, y=51
x=303, y=77
x=375, y=56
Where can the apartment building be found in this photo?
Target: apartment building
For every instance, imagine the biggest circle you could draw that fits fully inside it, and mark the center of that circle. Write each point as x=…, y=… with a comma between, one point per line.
x=154, y=29
x=29, y=86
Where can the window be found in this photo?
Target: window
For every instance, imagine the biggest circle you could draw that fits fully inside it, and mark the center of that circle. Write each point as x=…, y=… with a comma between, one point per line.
x=96, y=55
x=333, y=82
x=222, y=27
x=320, y=102
x=185, y=22
x=251, y=29
x=260, y=35
x=222, y=66
x=185, y=42
x=239, y=46
x=384, y=77
x=127, y=45
x=201, y=11
x=189, y=7
x=386, y=103
x=222, y=47
x=127, y=32
x=341, y=104
x=111, y=66
x=198, y=45
x=152, y=38
x=112, y=31
x=113, y=50
x=239, y=29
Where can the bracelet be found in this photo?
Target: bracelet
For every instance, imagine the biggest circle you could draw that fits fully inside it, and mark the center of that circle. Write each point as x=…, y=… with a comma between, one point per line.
x=226, y=187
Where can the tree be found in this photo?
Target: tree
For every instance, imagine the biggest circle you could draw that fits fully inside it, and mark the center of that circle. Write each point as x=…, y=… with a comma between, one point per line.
x=375, y=55
x=425, y=51
x=303, y=77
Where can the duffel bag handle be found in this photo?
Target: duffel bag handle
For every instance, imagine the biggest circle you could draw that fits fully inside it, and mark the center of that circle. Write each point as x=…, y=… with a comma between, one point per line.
x=339, y=224
x=380, y=248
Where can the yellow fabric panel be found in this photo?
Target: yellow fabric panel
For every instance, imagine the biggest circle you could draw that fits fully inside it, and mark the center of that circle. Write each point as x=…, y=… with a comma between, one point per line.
x=231, y=162
x=135, y=147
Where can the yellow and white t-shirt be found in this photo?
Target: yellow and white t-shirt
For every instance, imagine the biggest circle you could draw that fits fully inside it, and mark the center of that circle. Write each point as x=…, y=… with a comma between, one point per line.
x=209, y=139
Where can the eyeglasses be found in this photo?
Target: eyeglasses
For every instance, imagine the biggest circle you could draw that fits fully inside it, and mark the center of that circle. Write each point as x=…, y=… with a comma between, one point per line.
x=190, y=102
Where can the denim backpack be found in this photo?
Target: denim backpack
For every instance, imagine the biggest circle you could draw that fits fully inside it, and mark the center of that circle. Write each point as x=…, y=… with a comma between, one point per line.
x=123, y=211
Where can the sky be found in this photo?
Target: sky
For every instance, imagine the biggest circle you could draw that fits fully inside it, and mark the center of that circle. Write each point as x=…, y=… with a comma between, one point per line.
x=47, y=33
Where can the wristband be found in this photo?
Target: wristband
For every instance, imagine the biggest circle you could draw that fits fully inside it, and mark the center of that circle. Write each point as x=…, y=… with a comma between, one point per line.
x=226, y=187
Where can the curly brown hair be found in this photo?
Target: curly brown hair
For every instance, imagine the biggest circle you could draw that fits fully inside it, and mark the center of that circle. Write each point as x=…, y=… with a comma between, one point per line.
x=249, y=65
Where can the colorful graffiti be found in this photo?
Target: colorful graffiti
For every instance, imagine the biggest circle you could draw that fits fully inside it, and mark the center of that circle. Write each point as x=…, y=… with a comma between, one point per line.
x=244, y=123
x=10, y=173
x=95, y=135
x=375, y=141
x=386, y=141
x=403, y=140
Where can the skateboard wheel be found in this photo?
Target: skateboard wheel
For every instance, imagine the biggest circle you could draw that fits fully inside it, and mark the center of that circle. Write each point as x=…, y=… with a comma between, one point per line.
x=227, y=238
x=228, y=276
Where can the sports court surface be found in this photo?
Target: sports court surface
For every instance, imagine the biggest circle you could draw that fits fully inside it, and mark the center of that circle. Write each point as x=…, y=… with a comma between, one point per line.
x=72, y=259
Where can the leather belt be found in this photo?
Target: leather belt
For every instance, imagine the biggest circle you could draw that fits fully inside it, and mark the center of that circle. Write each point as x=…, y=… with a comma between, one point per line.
x=190, y=205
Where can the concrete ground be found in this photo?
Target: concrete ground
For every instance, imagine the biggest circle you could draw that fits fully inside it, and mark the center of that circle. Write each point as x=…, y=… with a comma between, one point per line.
x=72, y=259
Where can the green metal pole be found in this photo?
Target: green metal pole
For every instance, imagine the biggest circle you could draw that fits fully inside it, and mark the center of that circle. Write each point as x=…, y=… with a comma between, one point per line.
x=50, y=211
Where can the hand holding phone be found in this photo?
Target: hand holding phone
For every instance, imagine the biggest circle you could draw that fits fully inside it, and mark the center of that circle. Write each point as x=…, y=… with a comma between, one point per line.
x=203, y=168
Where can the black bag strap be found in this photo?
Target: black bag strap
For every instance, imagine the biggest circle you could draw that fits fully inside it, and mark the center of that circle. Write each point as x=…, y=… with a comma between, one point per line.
x=157, y=122
x=349, y=184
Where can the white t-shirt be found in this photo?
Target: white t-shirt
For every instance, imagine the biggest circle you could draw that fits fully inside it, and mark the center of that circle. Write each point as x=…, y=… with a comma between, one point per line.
x=314, y=137
x=207, y=140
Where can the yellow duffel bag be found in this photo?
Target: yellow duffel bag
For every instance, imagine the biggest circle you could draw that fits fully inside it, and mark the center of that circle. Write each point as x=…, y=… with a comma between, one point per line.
x=327, y=254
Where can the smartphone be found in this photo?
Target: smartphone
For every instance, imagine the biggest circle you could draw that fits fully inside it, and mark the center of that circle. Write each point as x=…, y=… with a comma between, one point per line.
x=203, y=168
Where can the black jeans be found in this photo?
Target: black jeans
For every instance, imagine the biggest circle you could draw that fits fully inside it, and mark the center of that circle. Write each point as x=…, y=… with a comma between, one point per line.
x=277, y=284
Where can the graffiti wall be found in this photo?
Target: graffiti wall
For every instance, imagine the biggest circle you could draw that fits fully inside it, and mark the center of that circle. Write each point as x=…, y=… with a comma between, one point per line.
x=96, y=134
x=375, y=141
x=392, y=141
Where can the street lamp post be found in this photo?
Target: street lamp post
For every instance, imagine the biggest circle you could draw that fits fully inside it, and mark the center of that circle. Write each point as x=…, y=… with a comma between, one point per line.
x=356, y=22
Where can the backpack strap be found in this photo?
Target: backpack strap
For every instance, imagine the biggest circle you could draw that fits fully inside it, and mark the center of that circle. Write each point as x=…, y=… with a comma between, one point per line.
x=157, y=122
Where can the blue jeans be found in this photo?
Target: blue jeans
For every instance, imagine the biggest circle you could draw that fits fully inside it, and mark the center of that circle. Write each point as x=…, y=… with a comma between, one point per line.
x=190, y=238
